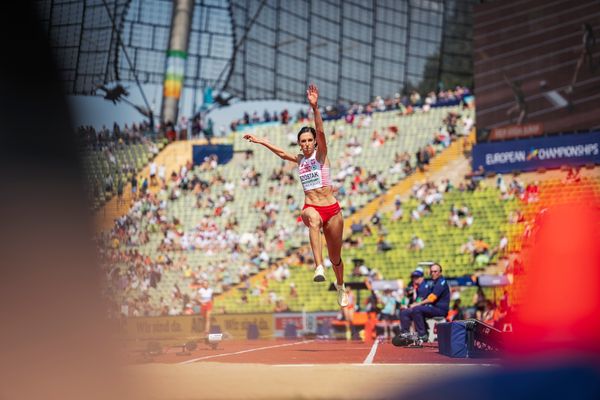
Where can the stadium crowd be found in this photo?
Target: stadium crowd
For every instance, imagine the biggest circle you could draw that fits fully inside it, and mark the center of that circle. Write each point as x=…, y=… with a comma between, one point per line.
x=148, y=215
x=97, y=140
x=218, y=231
x=356, y=113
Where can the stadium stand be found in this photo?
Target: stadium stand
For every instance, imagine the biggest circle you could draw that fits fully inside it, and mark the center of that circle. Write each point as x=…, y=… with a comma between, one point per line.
x=112, y=158
x=233, y=215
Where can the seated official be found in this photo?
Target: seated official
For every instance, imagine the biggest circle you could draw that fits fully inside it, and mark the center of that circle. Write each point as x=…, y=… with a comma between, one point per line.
x=435, y=304
x=417, y=289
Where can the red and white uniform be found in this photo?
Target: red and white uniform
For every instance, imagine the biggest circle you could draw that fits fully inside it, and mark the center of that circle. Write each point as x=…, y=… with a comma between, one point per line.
x=313, y=174
x=206, y=295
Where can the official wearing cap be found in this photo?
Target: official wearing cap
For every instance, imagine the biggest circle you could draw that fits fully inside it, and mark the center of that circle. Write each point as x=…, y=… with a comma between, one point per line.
x=435, y=303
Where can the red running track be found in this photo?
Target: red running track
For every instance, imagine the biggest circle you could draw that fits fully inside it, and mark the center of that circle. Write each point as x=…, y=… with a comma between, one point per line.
x=305, y=352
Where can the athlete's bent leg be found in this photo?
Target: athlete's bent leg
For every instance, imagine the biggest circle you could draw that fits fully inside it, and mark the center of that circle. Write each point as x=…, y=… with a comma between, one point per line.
x=333, y=231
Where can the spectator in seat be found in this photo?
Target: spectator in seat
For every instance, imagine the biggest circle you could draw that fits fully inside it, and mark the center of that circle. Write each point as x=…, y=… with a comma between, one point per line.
x=416, y=244
x=134, y=185
x=479, y=303
x=455, y=312
x=293, y=290
x=382, y=245
x=490, y=313
x=281, y=306
x=398, y=212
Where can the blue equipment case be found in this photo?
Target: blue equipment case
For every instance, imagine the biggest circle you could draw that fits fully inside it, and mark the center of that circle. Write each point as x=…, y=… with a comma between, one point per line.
x=452, y=339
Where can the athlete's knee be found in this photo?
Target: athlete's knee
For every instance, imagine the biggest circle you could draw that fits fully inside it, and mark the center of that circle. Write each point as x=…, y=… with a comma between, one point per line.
x=336, y=262
x=311, y=218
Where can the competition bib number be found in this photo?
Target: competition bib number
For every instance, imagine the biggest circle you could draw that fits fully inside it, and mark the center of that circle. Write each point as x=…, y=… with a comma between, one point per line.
x=311, y=180
x=310, y=175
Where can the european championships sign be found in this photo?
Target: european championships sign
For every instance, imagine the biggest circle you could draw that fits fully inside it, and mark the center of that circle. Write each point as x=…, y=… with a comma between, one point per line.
x=531, y=154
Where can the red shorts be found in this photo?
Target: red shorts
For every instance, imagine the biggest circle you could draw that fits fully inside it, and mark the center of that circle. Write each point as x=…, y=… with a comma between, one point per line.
x=326, y=212
x=204, y=307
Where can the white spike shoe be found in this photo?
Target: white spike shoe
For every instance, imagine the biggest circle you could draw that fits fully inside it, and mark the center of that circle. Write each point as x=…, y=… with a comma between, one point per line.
x=319, y=274
x=342, y=296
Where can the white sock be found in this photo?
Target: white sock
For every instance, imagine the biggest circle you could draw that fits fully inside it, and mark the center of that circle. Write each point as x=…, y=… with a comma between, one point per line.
x=343, y=286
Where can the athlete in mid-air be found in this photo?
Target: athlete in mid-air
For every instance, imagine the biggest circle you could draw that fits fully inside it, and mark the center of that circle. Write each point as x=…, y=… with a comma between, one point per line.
x=321, y=210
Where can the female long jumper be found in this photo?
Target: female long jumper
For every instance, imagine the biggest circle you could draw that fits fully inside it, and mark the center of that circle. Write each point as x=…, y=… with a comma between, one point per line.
x=321, y=210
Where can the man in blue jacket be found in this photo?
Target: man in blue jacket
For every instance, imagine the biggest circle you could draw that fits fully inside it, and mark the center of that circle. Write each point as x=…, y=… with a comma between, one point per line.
x=435, y=304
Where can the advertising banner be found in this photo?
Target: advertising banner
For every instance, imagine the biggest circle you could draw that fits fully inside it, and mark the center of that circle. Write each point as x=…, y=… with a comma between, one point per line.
x=517, y=131
x=187, y=326
x=224, y=153
x=305, y=323
x=314, y=319
x=159, y=327
x=283, y=319
x=531, y=154
x=236, y=325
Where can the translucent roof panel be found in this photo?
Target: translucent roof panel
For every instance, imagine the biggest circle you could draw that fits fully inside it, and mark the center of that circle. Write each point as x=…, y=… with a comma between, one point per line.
x=269, y=49
x=88, y=51
x=354, y=50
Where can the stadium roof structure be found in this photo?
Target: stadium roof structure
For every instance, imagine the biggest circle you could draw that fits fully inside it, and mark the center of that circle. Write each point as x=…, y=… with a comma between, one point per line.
x=267, y=49
x=86, y=37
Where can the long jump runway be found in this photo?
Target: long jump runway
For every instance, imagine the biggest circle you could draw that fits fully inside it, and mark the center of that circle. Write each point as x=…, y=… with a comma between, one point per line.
x=304, y=352
x=291, y=369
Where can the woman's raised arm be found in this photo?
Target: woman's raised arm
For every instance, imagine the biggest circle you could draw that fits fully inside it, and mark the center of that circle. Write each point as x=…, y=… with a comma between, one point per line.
x=312, y=94
x=278, y=151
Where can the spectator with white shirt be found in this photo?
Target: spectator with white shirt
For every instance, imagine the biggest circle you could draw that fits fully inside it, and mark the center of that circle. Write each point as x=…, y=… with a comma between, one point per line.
x=153, y=170
x=161, y=172
x=416, y=244
x=502, y=247
x=467, y=125
x=398, y=212
x=205, y=295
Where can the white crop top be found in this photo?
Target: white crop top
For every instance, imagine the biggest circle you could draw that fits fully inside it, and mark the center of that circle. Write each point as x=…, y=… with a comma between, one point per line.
x=313, y=174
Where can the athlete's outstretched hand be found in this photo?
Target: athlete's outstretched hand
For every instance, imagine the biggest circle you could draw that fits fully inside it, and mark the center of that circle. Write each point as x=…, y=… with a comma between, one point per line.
x=251, y=138
x=312, y=94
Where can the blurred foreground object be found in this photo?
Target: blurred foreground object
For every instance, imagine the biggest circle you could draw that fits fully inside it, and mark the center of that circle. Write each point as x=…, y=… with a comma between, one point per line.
x=55, y=343
x=554, y=352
